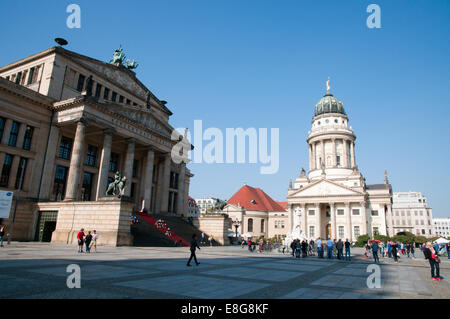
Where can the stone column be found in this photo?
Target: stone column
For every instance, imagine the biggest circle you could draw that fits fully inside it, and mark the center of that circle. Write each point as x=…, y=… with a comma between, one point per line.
x=291, y=217
x=310, y=156
x=323, y=155
x=314, y=156
x=21, y=135
x=363, y=218
x=333, y=153
x=129, y=161
x=13, y=171
x=102, y=182
x=318, y=221
x=2, y=160
x=348, y=226
x=165, y=185
x=49, y=164
x=345, y=157
x=180, y=196
x=333, y=221
x=6, y=131
x=352, y=147
x=148, y=179
x=304, y=225
x=73, y=180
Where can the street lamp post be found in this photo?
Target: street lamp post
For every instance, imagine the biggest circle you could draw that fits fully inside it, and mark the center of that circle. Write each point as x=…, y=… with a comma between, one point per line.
x=236, y=224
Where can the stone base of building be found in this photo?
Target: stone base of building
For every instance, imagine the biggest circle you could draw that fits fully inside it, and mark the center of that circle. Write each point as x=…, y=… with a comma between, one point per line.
x=110, y=217
x=216, y=226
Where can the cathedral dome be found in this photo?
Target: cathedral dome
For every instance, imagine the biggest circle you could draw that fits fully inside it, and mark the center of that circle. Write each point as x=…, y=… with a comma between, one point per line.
x=329, y=104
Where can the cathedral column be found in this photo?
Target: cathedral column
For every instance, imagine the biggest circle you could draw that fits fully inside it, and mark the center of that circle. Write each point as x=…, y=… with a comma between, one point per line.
x=314, y=156
x=104, y=163
x=323, y=154
x=148, y=179
x=348, y=226
x=345, y=157
x=318, y=221
x=352, y=148
x=310, y=155
x=291, y=217
x=6, y=131
x=129, y=161
x=333, y=221
x=334, y=153
x=73, y=180
x=304, y=226
x=364, y=218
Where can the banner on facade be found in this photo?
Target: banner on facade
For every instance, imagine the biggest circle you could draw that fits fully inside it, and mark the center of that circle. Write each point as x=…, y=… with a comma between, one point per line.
x=5, y=203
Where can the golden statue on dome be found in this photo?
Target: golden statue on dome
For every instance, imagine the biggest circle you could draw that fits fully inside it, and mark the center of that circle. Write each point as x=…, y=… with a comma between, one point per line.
x=328, y=85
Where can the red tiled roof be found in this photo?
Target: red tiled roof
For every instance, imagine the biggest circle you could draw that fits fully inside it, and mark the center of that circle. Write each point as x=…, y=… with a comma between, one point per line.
x=284, y=205
x=246, y=194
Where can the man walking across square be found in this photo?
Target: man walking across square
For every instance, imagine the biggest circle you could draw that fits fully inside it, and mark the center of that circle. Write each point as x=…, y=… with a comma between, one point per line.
x=375, y=252
x=194, y=245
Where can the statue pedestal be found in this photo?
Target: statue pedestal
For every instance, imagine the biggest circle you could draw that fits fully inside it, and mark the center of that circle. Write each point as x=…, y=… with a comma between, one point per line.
x=295, y=234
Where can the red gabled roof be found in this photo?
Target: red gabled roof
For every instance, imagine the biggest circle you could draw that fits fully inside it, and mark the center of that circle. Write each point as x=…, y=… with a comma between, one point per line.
x=284, y=205
x=246, y=194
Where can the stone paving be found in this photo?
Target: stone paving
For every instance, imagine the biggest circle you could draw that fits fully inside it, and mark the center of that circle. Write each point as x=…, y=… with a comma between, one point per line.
x=36, y=270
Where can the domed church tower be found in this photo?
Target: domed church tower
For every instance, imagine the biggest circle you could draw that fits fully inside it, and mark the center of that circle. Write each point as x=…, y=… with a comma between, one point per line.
x=331, y=141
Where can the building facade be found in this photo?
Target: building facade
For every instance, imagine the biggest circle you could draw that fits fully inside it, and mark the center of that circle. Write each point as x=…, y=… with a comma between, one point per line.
x=333, y=199
x=411, y=213
x=68, y=123
x=442, y=227
x=205, y=203
x=256, y=214
x=193, y=209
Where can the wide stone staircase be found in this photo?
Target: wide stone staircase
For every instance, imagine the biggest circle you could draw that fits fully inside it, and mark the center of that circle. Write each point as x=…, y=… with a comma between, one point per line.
x=149, y=235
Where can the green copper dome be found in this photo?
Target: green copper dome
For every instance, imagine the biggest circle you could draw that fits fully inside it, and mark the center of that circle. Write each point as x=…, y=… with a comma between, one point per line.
x=329, y=104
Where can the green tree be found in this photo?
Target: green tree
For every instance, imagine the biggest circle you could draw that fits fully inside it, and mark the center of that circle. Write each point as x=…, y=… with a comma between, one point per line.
x=362, y=240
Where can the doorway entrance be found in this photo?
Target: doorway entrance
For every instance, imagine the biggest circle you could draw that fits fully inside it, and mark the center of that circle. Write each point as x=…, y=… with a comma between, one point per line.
x=46, y=226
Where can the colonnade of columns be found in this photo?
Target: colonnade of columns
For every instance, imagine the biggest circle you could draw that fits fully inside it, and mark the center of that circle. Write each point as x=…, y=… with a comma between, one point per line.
x=162, y=191
x=347, y=162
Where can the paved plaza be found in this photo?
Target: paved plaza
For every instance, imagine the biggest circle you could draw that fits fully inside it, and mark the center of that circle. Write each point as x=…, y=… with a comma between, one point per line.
x=36, y=270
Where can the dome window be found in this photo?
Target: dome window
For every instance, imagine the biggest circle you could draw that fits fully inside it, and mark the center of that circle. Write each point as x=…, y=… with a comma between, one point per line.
x=335, y=121
x=327, y=121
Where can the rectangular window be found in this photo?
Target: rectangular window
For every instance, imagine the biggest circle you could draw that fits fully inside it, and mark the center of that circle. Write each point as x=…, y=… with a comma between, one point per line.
x=311, y=231
x=128, y=102
x=65, y=148
x=21, y=171
x=6, y=170
x=2, y=127
x=98, y=90
x=340, y=212
x=121, y=99
x=80, y=85
x=311, y=213
x=374, y=213
x=27, y=138
x=31, y=76
x=114, y=162
x=59, y=186
x=338, y=160
x=133, y=190
x=375, y=231
x=106, y=94
x=355, y=212
x=341, y=232
x=135, y=168
x=13, y=134
x=86, y=189
x=114, y=97
x=356, y=231
x=18, y=77
x=91, y=156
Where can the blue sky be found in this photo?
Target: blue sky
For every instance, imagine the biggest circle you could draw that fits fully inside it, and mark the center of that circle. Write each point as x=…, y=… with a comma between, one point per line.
x=264, y=64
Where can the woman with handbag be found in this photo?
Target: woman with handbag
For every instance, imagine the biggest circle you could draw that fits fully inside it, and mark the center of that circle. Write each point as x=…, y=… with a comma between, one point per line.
x=431, y=254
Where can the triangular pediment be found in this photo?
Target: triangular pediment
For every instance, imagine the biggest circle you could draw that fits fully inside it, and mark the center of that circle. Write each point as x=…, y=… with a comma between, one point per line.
x=324, y=188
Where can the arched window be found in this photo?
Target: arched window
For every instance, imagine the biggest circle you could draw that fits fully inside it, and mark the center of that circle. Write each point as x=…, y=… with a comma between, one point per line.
x=250, y=225
x=262, y=225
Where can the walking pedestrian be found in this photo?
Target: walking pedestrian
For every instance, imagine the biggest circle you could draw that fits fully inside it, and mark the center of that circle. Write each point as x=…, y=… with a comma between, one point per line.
x=304, y=248
x=394, y=251
x=389, y=247
x=375, y=252
x=412, y=250
x=431, y=254
x=194, y=246
x=319, y=248
x=94, y=241
x=347, y=250
x=261, y=243
x=2, y=234
x=80, y=237
x=202, y=241
x=87, y=241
